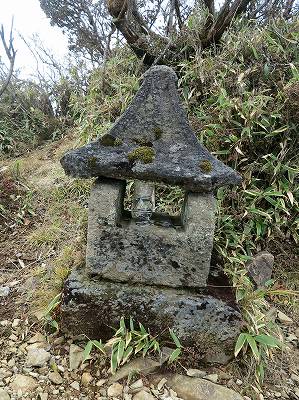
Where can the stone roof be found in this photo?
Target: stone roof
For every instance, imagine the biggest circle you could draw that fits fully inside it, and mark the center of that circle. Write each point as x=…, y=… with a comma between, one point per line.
x=152, y=141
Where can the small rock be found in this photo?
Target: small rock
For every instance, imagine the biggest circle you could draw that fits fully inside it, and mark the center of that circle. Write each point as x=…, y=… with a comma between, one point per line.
x=115, y=390
x=189, y=388
x=101, y=382
x=43, y=396
x=297, y=332
x=4, y=395
x=295, y=378
x=75, y=356
x=23, y=383
x=143, y=395
x=239, y=382
x=291, y=338
x=86, y=378
x=75, y=385
x=4, y=373
x=4, y=291
x=59, y=340
x=139, y=365
x=56, y=378
x=16, y=322
x=37, y=338
x=37, y=358
x=195, y=373
x=136, y=385
x=212, y=378
x=261, y=267
x=283, y=318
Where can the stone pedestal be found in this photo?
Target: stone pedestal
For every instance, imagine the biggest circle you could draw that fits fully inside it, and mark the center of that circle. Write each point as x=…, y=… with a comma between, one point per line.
x=92, y=306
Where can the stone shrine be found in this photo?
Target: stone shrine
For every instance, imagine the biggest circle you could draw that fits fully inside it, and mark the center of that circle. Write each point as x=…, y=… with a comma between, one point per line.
x=140, y=263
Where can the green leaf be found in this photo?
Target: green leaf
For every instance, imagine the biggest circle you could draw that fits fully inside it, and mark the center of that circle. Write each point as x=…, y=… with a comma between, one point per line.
x=174, y=338
x=99, y=345
x=127, y=354
x=174, y=355
x=131, y=324
x=87, y=350
x=54, y=324
x=128, y=338
x=120, y=351
x=268, y=341
x=260, y=372
x=139, y=347
x=240, y=343
x=113, y=361
x=142, y=329
x=252, y=343
x=53, y=304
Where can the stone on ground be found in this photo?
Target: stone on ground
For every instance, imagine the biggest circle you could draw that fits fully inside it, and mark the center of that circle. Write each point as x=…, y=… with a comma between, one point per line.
x=23, y=383
x=196, y=373
x=115, y=390
x=55, y=378
x=37, y=338
x=283, y=318
x=75, y=357
x=261, y=267
x=37, y=358
x=4, y=395
x=4, y=291
x=139, y=365
x=143, y=395
x=86, y=378
x=199, y=389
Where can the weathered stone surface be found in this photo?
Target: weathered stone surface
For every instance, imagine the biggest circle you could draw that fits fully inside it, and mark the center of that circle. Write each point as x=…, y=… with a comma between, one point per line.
x=76, y=356
x=4, y=291
x=152, y=141
x=37, y=357
x=261, y=267
x=23, y=383
x=115, y=389
x=121, y=251
x=199, y=389
x=92, y=306
x=4, y=395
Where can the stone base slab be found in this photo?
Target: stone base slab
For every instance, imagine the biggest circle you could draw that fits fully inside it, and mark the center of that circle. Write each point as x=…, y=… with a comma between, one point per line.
x=201, y=321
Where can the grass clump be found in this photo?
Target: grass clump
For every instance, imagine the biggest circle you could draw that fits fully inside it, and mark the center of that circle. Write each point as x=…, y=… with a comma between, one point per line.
x=144, y=154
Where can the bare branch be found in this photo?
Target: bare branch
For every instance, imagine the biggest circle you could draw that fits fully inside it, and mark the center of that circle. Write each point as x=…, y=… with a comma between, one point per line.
x=11, y=55
x=178, y=13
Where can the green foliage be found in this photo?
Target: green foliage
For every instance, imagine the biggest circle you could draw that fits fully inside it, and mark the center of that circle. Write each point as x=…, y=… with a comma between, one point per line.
x=51, y=310
x=239, y=104
x=129, y=341
x=263, y=334
x=26, y=118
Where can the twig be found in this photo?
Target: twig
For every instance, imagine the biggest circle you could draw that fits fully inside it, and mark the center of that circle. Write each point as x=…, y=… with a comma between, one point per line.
x=11, y=55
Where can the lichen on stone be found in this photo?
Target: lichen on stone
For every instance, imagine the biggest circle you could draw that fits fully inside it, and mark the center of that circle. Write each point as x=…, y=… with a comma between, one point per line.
x=144, y=154
x=143, y=141
x=109, y=140
x=206, y=166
